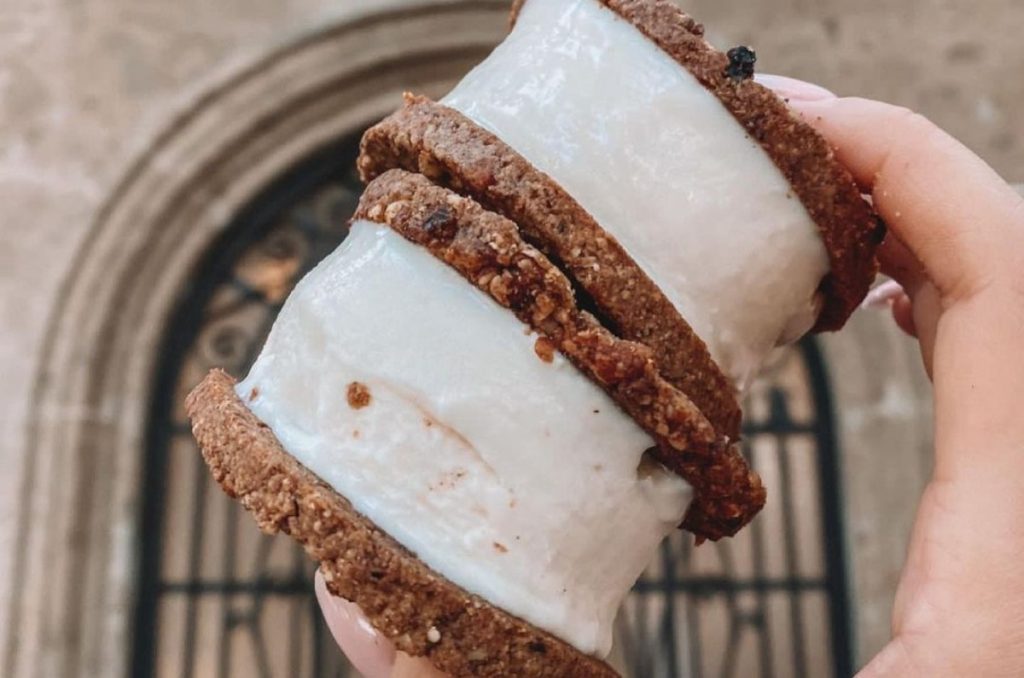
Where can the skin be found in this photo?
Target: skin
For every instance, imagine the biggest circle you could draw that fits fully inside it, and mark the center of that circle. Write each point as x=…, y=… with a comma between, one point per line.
x=955, y=254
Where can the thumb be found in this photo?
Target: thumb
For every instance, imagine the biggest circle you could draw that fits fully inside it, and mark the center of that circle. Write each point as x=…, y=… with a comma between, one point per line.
x=960, y=220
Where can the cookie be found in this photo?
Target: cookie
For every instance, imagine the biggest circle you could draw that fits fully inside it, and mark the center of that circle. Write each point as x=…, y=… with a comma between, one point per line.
x=489, y=252
x=420, y=611
x=453, y=151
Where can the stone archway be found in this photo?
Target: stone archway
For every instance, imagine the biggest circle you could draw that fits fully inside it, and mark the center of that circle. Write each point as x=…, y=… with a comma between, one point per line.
x=77, y=536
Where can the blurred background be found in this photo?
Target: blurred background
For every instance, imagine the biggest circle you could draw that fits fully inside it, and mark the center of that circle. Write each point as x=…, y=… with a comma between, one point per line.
x=168, y=170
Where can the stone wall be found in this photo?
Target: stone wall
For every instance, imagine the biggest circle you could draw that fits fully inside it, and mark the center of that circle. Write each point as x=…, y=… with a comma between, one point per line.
x=92, y=95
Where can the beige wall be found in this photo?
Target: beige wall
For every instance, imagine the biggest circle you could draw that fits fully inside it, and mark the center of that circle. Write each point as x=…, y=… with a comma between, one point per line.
x=86, y=88
x=954, y=60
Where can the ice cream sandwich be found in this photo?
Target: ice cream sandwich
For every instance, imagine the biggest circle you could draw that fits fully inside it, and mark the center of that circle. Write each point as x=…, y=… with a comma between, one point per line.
x=522, y=368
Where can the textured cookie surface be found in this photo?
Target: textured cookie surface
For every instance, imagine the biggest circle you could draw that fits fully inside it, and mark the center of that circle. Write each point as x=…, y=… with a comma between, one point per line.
x=848, y=226
x=488, y=251
x=453, y=151
x=421, y=612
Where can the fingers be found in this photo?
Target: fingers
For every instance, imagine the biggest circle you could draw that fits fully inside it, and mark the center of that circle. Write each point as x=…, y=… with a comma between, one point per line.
x=883, y=296
x=953, y=212
x=903, y=314
x=922, y=311
x=964, y=225
x=414, y=667
x=792, y=89
x=890, y=296
x=900, y=264
x=371, y=654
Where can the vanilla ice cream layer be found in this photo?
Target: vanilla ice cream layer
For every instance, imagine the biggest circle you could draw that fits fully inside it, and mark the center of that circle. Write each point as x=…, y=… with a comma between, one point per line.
x=663, y=166
x=515, y=478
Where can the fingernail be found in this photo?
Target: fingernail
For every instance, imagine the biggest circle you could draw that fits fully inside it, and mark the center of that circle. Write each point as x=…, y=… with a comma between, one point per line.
x=794, y=90
x=882, y=297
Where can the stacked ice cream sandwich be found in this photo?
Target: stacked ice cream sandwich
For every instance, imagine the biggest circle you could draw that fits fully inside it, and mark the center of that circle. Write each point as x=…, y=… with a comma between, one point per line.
x=521, y=370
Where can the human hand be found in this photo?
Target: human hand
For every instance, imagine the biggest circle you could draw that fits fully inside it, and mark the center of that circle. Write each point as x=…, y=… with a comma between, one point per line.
x=956, y=250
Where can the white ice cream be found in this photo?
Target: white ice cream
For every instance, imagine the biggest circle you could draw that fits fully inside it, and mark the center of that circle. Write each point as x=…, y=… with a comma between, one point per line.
x=515, y=478
x=662, y=165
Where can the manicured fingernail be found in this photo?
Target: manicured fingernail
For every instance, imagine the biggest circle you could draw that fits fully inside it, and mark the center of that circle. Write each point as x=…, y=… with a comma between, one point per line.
x=371, y=653
x=882, y=297
x=794, y=90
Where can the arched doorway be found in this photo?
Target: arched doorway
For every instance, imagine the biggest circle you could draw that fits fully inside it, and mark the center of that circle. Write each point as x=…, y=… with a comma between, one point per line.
x=217, y=598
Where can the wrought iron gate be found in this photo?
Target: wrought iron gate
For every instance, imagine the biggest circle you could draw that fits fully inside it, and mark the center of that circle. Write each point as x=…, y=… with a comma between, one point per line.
x=218, y=598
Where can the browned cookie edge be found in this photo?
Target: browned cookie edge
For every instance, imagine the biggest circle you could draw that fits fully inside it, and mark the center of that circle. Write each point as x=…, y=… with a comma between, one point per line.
x=401, y=596
x=489, y=251
x=445, y=146
x=848, y=225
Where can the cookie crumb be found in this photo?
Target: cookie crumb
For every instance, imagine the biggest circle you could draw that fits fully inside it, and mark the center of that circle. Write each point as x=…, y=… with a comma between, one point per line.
x=358, y=395
x=500, y=548
x=545, y=349
x=441, y=224
x=254, y=394
x=741, y=63
x=433, y=635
